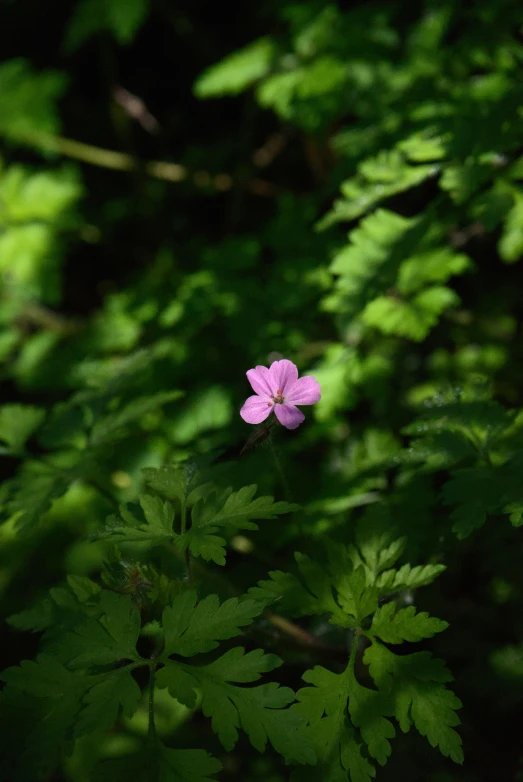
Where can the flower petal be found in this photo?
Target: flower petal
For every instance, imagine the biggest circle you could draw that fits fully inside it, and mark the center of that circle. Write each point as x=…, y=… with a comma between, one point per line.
x=283, y=375
x=256, y=409
x=305, y=391
x=260, y=380
x=289, y=416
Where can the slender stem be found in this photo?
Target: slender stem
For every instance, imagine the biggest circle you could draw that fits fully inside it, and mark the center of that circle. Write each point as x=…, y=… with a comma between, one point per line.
x=152, y=724
x=105, y=493
x=183, y=530
x=279, y=468
x=354, y=649
x=285, y=486
x=159, y=169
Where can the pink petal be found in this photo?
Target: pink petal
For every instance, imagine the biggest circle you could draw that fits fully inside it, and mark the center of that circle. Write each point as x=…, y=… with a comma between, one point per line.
x=256, y=409
x=305, y=391
x=260, y=380
x=283, y=375
x=289, y=416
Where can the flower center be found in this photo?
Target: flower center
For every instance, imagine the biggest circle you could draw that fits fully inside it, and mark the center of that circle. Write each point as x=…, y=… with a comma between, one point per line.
x=278, y=397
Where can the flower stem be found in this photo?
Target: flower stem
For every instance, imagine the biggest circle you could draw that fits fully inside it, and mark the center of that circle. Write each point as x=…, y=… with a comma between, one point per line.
x=283, y=479
x=285, y=485
x=187, y=553
x=152, y=724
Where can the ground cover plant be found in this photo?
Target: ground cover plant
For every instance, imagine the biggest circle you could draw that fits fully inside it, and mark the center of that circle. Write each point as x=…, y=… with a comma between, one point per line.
x=261, y=442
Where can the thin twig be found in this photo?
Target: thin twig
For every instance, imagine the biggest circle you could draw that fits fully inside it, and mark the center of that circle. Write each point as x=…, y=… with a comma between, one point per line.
x=152, y=723
x=159, y=169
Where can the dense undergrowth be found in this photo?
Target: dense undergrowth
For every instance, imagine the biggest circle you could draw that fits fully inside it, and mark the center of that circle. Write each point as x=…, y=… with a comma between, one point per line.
x=187, y=192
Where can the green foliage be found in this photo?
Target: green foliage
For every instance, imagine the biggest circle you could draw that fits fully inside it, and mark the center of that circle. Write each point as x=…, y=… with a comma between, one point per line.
x=161, y=765
x=354, y=204
x=191, y=629
x=238, y=71
x=123, y=18
x=36, y=208
x=28, y=100
x=415, y=683
x=410, y=687
x=17, y=424
x=211, y=510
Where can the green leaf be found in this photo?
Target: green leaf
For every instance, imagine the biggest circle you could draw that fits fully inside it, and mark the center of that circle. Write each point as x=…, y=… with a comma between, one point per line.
x=369, y=265
x=259, y=711
x=121, y=17
x=476, y=490
x=355, y=597
x=17, y=424
x=158, y=527
x=407, y=577
x=238, y=71
x=324, y=707
x=414, y=683
x=116, y=425
x=111, y=638
x=284, y=588
x=192, y=627
x=413, y=318
x=32, y=492
x=377, y=179
x=38, y=707
x=173, y=481
x=160, y=764
x=394, y=627
x=435, y=265
x=510, y=245
x=45, y=677
x=369, y=710
x=186, y=765
x=376, y=545
x=28, y=100
x=335, y=587
x=36, y=207
x=103, y=701
x=227, y=512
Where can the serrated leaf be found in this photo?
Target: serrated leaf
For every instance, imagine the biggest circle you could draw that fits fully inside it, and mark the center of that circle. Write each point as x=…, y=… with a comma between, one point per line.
x=510, y=246
x=355, y=597
x=283, y=588
x=111, y=638
x=227, y=512
x=38, y=707
x=324, y=707
x=116, y=424
x=415, y=684
x=237, y=71
x=369, y=710
x=36, y=618
x=172, y=481
x=32, y=492
x=236, y=666
x=84, y=588
x=412, y=318
x=394, y=626
x=476, y=490
x=102, y=702
x=407, y=577
x=17, y=424
x=192, y=627
x=259, y=711
x=44, y=677
x=160, y=764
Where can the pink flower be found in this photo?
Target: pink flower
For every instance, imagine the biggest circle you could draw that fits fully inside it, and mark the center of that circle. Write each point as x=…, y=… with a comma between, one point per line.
x=279, y=389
